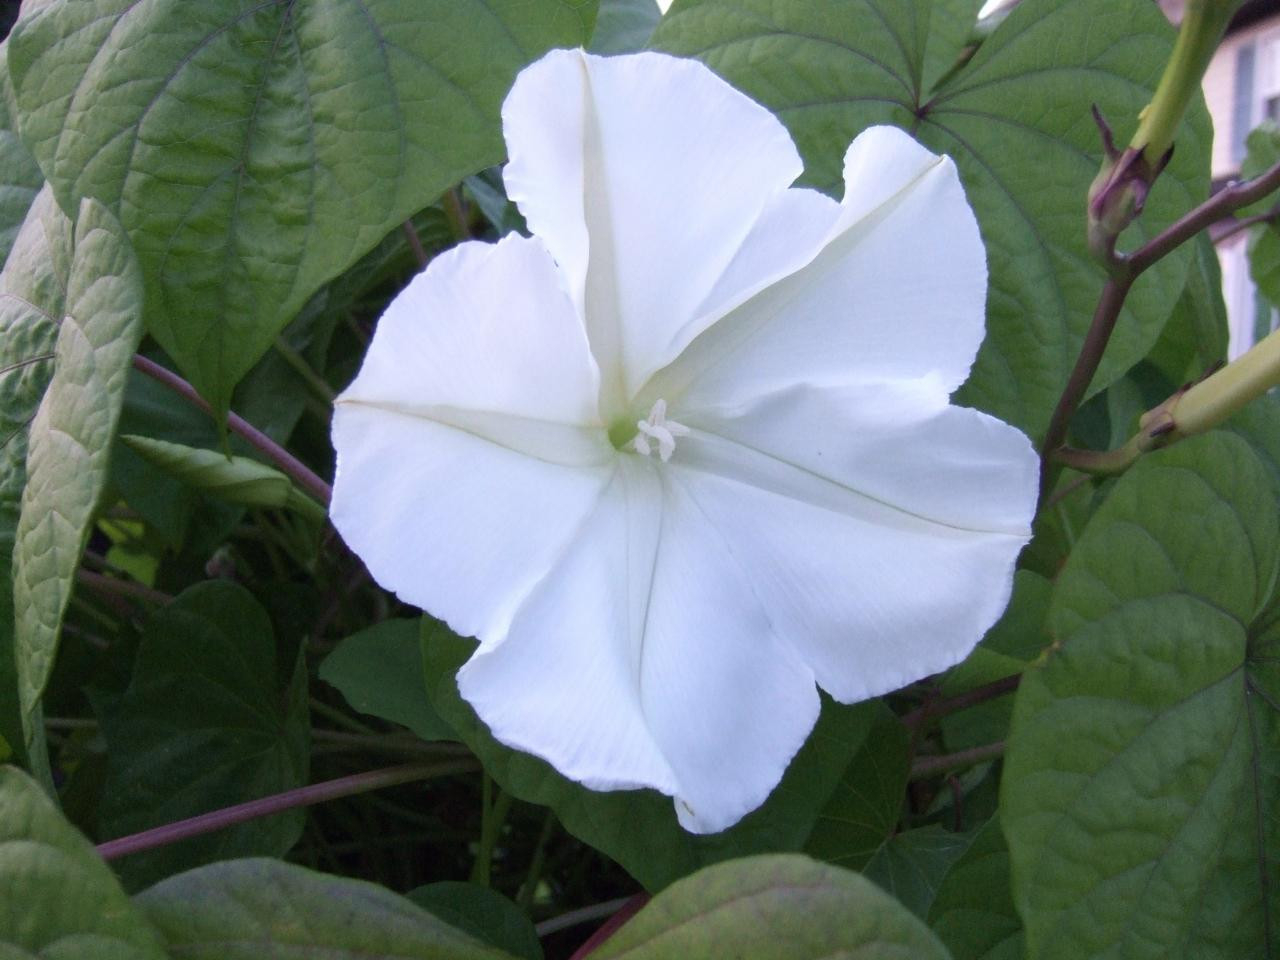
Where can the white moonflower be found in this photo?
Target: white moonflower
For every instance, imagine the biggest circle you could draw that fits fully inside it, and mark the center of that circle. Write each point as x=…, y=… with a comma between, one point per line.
x=686, y=454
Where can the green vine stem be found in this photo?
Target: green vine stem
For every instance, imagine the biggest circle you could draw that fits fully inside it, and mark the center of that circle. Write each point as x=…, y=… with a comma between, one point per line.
x=1120, y=189
x=1203, y=24
x=493, y=815
x=282, y=458
x=298, y=363
x=278, y=803
x=1190, y=411
x=415, y=243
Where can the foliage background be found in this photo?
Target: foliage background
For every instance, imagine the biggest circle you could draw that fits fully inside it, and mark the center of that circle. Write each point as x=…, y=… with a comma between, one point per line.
x=216, y=188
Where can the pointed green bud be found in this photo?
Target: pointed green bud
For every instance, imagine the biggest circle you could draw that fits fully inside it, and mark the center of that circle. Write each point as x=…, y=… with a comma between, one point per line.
x=234, y=479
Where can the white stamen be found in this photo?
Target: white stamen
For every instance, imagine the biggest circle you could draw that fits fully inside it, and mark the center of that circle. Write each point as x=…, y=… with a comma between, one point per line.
x=659, y=429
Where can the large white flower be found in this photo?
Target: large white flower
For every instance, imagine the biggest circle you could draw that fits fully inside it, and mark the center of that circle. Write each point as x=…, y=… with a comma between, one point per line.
x=689, y=448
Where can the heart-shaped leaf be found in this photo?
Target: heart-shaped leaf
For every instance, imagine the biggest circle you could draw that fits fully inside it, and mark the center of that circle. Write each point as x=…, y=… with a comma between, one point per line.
x=379, y=671
x=203, y=725
x=256, y=908
x=1016, y=119
x=255, y=150
x=1140, y=785
x=973, y=911
x=773, y=908
x=57, y=898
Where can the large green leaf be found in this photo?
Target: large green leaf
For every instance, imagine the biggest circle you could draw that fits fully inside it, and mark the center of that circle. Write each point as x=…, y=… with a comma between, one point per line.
x=20, y=178
x=973, y=911
x=1019, y=636
x=253, y=909
x=1259, y=425
x=254, y=150
x=866, y=806
x=1140, y=784
x=69, y=442
x=638, y=828
x=1264, y=238
x=623, y=26
x=482, y=912
x=379, y=671
x=1195, y=339
x=1016, y=119
x=58, y=900
x=203, y=725
x=169, y=509
x=773, y=908
x=273, y=395
x=32, y=292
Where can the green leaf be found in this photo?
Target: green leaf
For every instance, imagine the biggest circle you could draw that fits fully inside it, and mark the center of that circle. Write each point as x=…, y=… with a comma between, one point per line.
x=912, y=865
x=1019, y=636
x=20, y=178
x=1140, y=783
x=204, y=725
x=490, y=197
x=1263, y=151
x=1195, y=339
x=238, y=480
x=1264, y=260
x=379, y=672
x=973, y=911
x=773, y=908
x=624, y=26
x=32, y=291
x=69, y=440
x=952, y=25
x=482, y=912
x=255, y=150
x=1258, y=424
x=256, y=908
x=865, y=808
x=58, y=899
x=274, y=395
x=170, y=510
x=1016, y=119
x=638, y=828
x=1264, y=238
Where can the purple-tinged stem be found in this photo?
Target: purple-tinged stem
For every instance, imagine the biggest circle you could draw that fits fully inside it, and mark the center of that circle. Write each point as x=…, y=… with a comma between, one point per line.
x=278, y=803
x=930, y=766
x=282, y=458
x=970, y=698
x=120, y=587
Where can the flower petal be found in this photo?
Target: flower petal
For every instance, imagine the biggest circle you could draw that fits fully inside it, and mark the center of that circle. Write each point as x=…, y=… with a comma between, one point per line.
x=645, y=659
x=898, y=290
x=563, y=684
x=884, y=523
x=643, y=174
x=486, y=328
x=728, y=700
x=465, y=449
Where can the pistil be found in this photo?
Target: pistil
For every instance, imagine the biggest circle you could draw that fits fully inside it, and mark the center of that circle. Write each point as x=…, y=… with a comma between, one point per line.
x=657, y=429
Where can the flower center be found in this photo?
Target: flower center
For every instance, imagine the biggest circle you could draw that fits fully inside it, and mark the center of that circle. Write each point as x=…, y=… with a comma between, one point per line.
x=657, y=432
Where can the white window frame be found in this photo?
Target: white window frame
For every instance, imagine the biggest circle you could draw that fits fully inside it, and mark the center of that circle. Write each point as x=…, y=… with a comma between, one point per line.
x=1266, y=76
